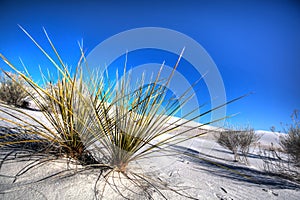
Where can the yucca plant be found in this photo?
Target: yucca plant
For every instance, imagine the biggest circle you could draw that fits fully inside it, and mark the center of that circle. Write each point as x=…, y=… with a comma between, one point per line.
x=133, y=120
x=66, y=108
x=136, y=125
x=97, y=123
x=136, y=117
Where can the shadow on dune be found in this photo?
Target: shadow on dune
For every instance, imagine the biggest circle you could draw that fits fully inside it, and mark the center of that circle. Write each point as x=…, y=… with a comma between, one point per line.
x=192, y=152
x=250, y=155
x=22, y=140
x=234, y=171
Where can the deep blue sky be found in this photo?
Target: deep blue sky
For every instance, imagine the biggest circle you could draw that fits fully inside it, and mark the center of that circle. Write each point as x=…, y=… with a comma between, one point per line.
x=255, y=44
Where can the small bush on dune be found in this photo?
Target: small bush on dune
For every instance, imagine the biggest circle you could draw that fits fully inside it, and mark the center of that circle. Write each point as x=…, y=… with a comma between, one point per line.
x=277, y=162
x=291, y=143
x=238, y=141
x=285, y=162
x=11, y=90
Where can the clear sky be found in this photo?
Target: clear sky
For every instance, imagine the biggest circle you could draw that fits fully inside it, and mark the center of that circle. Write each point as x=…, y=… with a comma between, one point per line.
x=255, y=44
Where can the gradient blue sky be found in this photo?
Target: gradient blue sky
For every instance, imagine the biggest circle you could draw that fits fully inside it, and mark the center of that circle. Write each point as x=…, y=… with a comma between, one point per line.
x=255, y=44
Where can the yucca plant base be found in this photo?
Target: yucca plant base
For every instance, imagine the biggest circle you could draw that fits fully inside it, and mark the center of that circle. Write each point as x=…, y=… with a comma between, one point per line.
x=83, y=157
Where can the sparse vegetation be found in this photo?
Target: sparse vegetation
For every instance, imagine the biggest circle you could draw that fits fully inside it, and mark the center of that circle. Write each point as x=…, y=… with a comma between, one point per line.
x=285, y=161
x=279, y=163
x=238, y=141
x=12, y=90
x=291, y=143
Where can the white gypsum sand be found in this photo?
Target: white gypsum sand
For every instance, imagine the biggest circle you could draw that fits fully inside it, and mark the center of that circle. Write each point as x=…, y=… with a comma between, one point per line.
x=208, y=173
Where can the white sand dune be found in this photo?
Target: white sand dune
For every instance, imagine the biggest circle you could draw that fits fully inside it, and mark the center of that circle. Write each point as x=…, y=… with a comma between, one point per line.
x=209, y=173
x=270, y=138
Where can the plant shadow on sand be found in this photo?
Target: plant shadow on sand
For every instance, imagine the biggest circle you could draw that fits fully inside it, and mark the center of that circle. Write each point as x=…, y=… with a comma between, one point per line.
x=119, y=183
x=26, y=166
x=41, y=163
x=35, y=153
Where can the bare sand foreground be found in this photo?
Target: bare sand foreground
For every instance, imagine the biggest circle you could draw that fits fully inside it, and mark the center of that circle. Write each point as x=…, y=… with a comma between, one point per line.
x=209, y=174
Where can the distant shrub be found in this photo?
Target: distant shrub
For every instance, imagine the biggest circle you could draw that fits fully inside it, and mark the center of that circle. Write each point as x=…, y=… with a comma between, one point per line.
x=285, y=161
x=291, y=143
x=279, y=163
x=12, y=90
x=238, y=141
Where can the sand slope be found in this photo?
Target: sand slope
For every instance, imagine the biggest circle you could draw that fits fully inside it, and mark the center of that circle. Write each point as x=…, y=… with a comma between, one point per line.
x=209, y=173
